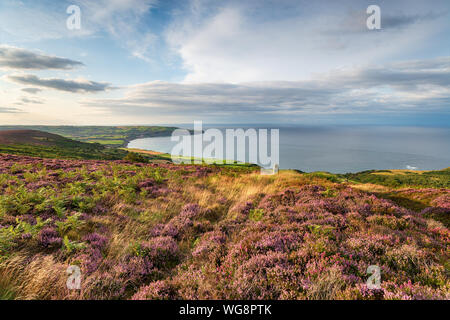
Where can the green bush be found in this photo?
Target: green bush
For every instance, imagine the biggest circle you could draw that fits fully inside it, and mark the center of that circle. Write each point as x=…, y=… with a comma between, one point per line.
x=256, y=214
x=135, y=157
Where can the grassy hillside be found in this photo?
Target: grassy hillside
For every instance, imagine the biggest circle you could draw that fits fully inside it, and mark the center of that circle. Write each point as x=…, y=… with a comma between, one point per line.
x=47, y=145
x=164, y=231
x=392, y=178
x=117, y=136
x=402, y=178
x=412, y=189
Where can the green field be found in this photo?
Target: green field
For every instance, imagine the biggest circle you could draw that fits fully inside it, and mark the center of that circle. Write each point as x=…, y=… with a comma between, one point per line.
x=402, y=178
x=48, y=145
x=392, y=178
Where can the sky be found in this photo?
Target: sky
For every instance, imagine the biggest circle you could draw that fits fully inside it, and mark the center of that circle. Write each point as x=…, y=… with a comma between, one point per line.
x=138, y=62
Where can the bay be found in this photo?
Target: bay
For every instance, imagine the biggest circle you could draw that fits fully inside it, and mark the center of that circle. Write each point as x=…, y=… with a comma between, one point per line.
x=341, y=149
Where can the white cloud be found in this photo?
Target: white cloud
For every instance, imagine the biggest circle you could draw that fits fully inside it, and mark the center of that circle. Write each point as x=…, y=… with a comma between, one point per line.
x=32, y=22
x=115, y=16
x=122, y=20
x=238, y=44
x=25, y=100
x=422, y=86
x=9, y=110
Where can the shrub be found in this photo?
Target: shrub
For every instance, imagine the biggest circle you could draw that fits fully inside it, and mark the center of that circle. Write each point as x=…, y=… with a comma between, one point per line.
x=49, y=238
x=135, y=157
x=158, y=290
x=327, y=285
x=72, y=246
x=256, y=214
x=260, y=277
x=163, y=252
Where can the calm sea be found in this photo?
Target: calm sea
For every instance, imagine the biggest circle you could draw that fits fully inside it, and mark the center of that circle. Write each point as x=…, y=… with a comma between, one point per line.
x=348, y=149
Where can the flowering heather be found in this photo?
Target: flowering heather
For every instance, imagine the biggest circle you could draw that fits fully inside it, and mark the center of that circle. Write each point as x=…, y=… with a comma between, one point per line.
x=259, y=277
x=210, y=243
x=166, y=231
x=92, y=256
x=158, y=290
x=49, y=238
x=182, y=222
x=90, y=259
x=160, y=250
x=442, y=201
x=135, y=270
x=96, y=240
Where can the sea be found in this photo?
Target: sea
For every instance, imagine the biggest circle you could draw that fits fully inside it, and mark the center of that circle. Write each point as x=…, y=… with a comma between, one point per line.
x=342, y=149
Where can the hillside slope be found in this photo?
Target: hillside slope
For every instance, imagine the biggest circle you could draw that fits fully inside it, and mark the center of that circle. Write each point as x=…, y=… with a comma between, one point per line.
x=37, y=138
x=165, y=231
x=117, y=136
x=44, y=144
x=402, y=178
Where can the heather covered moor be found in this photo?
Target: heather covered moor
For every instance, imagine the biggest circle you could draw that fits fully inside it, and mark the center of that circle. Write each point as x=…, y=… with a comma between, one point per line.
x=165, y=231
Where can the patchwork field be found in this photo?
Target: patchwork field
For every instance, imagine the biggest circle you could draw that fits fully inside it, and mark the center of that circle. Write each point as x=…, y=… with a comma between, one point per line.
x=115, y=136
x=165, y=231
x=44, y=144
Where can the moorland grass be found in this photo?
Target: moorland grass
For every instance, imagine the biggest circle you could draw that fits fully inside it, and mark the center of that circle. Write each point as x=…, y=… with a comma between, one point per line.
x=165, y=231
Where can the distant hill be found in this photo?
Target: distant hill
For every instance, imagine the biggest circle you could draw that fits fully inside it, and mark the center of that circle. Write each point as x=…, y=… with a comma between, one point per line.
x=392, y=178
x=402, y=178
x=37, y=138
x=117, y=136
x=48, y=145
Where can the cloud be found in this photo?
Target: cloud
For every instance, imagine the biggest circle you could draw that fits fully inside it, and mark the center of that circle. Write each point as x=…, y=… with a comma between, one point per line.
x=403, y=20
x=31, y=90
x=410, y=86
x=32, y=21
x=354, y=22
x=123, y=20
x=25, y=100
x=81, y=86
x=40, y=20
x=17, y=58
x=10, y=110
x=409, y=75
x=116, y=16
x=246, y=41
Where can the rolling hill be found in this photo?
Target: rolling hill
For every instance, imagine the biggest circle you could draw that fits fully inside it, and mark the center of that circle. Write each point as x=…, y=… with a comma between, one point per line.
x=158, y=230
x=44, y=144
x=198, y=232
x=37, y=138
x=116, y=136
